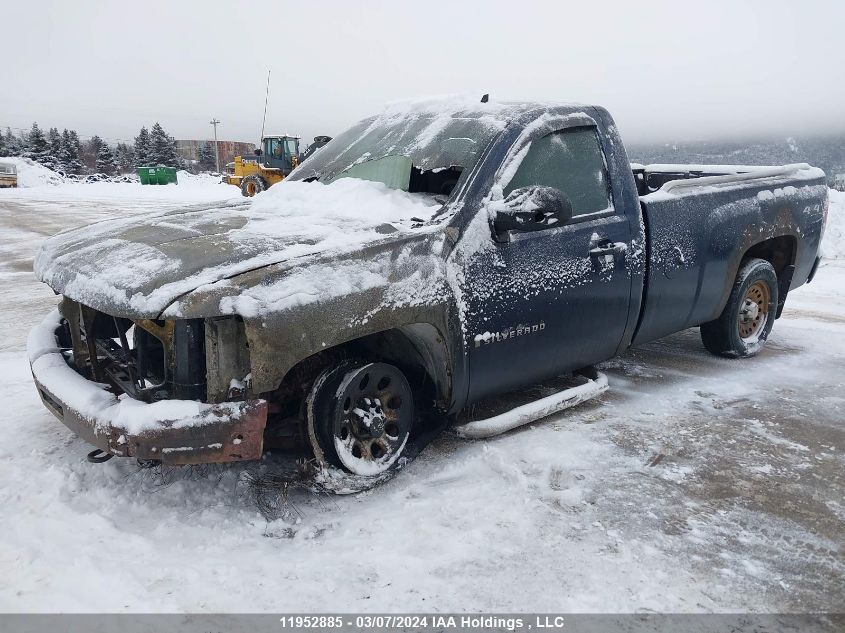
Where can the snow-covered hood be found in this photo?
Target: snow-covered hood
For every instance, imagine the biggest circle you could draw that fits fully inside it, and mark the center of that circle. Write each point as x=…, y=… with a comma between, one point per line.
x=137, y=266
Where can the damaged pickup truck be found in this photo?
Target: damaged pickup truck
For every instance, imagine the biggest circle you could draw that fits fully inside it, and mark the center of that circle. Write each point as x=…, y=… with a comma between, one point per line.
x=431, y=257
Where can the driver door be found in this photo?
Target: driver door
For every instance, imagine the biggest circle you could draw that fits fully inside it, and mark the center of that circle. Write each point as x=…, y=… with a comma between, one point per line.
x=548, y=300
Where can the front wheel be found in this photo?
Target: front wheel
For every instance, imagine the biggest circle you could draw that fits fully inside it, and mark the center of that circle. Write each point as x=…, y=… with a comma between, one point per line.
x=745, y=323
x=359, y=416
x=252, y=185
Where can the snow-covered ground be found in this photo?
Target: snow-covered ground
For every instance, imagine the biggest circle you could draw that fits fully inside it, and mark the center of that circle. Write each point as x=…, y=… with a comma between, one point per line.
x=833, y=245
x=694, y=484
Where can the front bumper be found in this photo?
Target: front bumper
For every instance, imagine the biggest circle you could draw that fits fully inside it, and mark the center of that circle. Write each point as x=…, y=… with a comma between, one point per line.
x=173, y=431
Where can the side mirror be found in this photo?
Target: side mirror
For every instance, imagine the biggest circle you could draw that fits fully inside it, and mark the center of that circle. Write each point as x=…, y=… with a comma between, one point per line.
x=258, y=151
x=533, y=208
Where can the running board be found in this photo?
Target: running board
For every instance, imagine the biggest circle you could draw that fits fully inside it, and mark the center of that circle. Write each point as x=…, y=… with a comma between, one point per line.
x=532, y=411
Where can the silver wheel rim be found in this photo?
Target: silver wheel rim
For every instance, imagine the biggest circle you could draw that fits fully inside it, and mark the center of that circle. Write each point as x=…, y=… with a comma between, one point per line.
x=372, y=418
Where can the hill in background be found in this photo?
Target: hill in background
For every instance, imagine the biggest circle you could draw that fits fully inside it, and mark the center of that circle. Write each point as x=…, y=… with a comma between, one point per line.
x=827, y=153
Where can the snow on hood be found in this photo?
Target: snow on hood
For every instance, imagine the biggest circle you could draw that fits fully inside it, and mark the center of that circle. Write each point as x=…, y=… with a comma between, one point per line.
x=137, y=266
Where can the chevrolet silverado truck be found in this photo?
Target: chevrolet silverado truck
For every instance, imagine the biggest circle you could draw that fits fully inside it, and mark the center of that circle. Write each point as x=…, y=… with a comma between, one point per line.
x=431, y=257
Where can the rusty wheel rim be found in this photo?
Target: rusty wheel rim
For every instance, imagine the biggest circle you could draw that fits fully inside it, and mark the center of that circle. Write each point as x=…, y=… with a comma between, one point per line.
x=754, y=311
x=250, y=189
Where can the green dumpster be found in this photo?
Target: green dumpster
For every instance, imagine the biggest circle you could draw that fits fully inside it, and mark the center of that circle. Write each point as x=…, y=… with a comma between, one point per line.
x=157, y=175
x=147, y=175
x=166, y=175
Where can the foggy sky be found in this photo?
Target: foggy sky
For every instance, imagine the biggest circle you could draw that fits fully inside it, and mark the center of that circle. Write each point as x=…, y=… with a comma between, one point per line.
x=666, y=71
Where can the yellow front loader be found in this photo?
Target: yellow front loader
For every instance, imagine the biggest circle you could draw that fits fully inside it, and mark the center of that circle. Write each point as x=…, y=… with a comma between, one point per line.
x=277, y=157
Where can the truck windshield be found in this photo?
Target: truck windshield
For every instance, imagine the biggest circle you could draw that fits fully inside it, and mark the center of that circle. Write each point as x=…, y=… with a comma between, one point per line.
x=421, y=148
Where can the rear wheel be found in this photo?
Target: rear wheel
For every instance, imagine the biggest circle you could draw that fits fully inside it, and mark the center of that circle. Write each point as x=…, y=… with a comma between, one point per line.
x=359, y=416
x=252, y=185
x=745, y=323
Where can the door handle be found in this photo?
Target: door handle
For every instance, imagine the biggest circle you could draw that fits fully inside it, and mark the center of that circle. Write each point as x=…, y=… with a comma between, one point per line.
x=609, y=249
x=603, y=246
x=602, y=249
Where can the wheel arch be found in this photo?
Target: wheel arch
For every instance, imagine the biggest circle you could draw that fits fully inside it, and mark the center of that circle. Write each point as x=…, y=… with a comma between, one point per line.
x=419, y=349
x=781, y=251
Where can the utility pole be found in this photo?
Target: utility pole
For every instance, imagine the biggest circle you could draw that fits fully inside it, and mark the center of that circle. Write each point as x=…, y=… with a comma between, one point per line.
x=215, y=123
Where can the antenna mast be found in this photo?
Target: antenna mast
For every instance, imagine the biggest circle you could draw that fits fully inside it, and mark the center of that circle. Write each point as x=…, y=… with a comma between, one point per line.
x=266, y=97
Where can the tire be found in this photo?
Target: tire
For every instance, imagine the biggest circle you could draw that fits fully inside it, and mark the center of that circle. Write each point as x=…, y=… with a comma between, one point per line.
x=252, y=185
x=359, y=416
x=743, y=327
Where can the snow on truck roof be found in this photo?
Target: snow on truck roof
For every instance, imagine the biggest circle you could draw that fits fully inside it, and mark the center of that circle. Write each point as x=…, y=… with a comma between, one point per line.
x=434, y=133
x=471, y=105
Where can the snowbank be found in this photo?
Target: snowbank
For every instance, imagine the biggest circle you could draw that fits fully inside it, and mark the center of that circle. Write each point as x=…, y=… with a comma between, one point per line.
x=833, y=244
x=198, y=180
x=36, y=180
x=32, y=174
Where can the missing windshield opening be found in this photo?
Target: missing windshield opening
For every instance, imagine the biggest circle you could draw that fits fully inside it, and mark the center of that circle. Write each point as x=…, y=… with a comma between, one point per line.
x=436, y=181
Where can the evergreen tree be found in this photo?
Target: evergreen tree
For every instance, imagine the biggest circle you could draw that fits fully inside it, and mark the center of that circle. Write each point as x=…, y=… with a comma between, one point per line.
x=37, y=148
x=125, y=157
x=163, y=148
x=74, y=138
x=54, y=141
x=106, y=164
x=12, y=144
x=142, y=148
x=206, y=157
x=90, y=150
x=64, y=156
x=68, y=156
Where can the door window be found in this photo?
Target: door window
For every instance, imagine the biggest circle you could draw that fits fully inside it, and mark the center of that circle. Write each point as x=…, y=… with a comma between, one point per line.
x=275, y=149
x=571, y=161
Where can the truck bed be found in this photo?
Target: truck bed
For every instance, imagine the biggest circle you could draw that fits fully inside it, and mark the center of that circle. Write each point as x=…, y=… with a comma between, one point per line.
x=702, y=221
x=650, y=178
